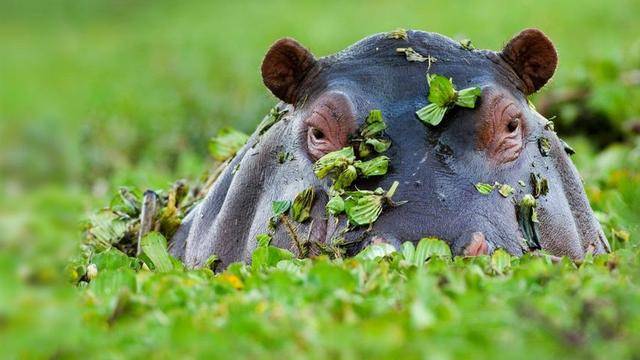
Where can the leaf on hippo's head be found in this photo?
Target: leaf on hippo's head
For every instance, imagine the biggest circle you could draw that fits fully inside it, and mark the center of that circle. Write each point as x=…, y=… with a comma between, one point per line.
x=467, y=97
x=225, y=145
x=375, y=167
x=335, y=160
x=399, y=34
x=441, y=90
x=467, y=44
x=413, y=55
x=484, y=188
x=443, y=96
x=274, y=115
x=301, y=207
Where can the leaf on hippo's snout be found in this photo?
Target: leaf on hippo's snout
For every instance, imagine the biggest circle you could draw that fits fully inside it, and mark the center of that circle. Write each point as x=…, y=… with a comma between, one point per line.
x=280, y=207
x=375, y=167
x=467, y=44
x=539, y=184
x=521, y=183
x=506, y=190
x=284, y=156
x=226, y=143
x=363, y=207
x=263, y=239
x=301, y=207
x=484, y=188
x=398, y=34
x=338, y=159
x=443, y=96
x=528, y=221
x=378, y=145
x=335, y=205
x=346, y=177
x=544, y=145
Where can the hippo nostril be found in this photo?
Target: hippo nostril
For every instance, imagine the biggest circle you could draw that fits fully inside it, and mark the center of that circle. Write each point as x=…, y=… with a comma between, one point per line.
x=477, y=246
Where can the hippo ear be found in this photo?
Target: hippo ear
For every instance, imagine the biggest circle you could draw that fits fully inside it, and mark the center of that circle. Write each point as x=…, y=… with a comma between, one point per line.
x=284, y=67
x=533, y=57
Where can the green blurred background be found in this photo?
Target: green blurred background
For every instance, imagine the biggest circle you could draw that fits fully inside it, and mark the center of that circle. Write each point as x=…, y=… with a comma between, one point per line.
x=98, y=94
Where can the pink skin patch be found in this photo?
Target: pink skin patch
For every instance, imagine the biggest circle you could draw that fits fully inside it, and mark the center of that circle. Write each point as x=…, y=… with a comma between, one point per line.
x=502, y=128
x=330, y=121
x=477, y=246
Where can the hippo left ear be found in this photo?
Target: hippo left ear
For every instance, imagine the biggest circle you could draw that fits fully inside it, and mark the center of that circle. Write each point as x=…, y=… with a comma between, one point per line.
x=284, y=67
x=533, y=57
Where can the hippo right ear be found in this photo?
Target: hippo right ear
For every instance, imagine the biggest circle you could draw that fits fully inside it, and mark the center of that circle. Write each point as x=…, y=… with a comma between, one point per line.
x=284, y=68
x=533, y=57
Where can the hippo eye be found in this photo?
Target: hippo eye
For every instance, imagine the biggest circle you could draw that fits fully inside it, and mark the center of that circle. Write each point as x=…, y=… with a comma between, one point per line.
x=316, y=134
x=513, y=124
x=330, y=121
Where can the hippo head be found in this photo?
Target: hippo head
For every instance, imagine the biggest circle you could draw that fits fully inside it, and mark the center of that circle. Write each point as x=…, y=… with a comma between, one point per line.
x=501, y=139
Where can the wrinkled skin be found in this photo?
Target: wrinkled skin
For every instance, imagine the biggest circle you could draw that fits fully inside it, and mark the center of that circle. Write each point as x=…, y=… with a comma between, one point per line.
x=329, y=98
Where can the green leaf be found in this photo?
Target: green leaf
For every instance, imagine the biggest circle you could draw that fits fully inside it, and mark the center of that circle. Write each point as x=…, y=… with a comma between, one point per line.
x=441, y=90
x=398, y=34
x=375, y=251
x=363, y=210
x=500, y=261
x=412, y=55
x=467, y=97
x=484, y=188
x=408, y=251
x=345, y=178
x=274, y=115
x=539, y=184
x=266, y=256
x=432, y=114
x=338, y=159
x=528, y=221
x=280, y=207
x=467, y=44
x=263, y=239
x=154, y=246
x=431, y=247
x=544, y=145
x=375, y=167
x=335, y=205
x=225, y=145
x=378, y=145
x=506, y=190
x=374, y=124
x=301, y=207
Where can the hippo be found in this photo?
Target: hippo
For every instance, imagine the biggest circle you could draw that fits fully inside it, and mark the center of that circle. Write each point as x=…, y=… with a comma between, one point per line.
x=435, y=170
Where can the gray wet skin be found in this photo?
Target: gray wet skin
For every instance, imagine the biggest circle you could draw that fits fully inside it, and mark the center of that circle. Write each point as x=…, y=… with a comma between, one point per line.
x=328, y=99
